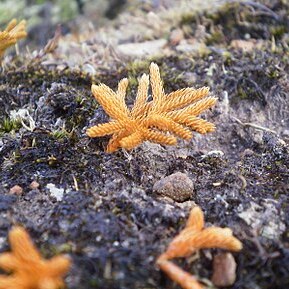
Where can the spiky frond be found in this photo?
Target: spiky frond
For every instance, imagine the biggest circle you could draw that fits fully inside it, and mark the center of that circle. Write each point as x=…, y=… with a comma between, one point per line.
x=159, y=120
x=28, y=269
x=192, y=238
x=11, y=34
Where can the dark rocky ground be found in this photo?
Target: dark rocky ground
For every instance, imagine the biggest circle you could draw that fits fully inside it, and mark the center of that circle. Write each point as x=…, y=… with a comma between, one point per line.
x=109, y=220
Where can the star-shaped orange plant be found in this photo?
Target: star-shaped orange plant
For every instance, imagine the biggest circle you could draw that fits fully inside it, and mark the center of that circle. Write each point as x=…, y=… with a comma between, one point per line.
x=11, y=34
x=28, y=269
x=159, y=120
x=192, y=238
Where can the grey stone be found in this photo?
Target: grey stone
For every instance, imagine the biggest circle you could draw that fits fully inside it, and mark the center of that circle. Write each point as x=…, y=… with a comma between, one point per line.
x=224, y=270
x=177, y=186
x=147, y=48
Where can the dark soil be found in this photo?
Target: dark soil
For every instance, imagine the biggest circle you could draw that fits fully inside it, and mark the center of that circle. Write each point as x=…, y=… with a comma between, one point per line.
x=109, y=220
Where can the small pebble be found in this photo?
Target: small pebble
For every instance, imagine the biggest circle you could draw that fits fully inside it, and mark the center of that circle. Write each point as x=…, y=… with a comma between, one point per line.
x=247, y=45
x=55, y=192
x=16, y=190
x=34, y=185
x=224, y=270
x=176, y=36
x=177, y=186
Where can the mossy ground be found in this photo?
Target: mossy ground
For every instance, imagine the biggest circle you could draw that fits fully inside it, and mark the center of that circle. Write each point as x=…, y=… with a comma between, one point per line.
x=109, y=220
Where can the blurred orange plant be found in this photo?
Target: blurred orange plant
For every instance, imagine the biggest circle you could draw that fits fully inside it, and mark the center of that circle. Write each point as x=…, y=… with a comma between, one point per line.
x=28, y=269
x=11, y=34
x=192, y=238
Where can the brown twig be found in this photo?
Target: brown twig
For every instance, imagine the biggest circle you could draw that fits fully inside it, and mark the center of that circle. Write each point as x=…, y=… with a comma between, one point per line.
x=253, y=125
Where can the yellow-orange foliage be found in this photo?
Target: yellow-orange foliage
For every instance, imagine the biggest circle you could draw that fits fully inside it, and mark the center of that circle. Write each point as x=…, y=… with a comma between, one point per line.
x=159, y=120
x=192, y=238
x=11, y=34
x=28, y=269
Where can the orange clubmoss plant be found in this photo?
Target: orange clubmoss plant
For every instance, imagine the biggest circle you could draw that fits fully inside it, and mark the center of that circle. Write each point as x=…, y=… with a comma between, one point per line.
x=11, y=34
x=192, y=238
x=159, y=120
x=28, y=269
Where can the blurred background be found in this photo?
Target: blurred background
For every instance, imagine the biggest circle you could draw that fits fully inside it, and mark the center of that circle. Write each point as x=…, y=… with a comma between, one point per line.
x=74, y=15
x=102, y=33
